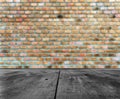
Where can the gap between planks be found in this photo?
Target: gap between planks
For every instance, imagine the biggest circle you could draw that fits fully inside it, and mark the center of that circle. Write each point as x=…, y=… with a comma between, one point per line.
x=57, y=84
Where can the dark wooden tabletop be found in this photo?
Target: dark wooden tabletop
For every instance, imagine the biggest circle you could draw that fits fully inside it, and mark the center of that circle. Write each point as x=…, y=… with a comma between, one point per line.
x=59, y=84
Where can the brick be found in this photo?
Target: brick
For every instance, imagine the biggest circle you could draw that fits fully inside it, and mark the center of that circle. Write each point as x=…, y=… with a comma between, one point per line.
x=19, y=0
x=41, y=4
x=9, y=0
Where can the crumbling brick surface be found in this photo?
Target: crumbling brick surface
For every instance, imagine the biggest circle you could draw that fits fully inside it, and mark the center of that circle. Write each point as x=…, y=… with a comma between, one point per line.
x=59, y=33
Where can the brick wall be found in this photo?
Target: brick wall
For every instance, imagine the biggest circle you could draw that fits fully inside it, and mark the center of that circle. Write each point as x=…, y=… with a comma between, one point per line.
x=59, y=33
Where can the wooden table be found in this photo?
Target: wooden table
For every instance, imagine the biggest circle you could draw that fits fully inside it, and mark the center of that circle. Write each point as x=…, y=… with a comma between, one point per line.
x=59, y=84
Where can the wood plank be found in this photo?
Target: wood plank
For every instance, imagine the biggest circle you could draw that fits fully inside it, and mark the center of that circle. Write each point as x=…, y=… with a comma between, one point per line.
x=29, y=83
x=1, y=87
x=89, y=84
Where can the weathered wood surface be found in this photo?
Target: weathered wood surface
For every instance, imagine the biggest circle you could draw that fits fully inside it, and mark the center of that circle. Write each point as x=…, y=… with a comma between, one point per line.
x=1, y=85
x=29, y=84
x=66, y=84
x=89, y=84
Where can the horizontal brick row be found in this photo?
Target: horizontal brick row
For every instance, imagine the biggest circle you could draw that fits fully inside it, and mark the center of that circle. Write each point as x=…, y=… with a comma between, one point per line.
x=59, y=34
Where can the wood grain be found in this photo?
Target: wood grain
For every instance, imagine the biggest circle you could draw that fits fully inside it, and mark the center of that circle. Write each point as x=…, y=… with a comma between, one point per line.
x=30, y=84
x=1, y=86
x=89, y=84
x=60, y=84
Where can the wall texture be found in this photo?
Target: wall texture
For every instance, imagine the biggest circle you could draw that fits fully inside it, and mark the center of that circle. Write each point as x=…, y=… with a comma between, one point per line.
x=59, y=33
